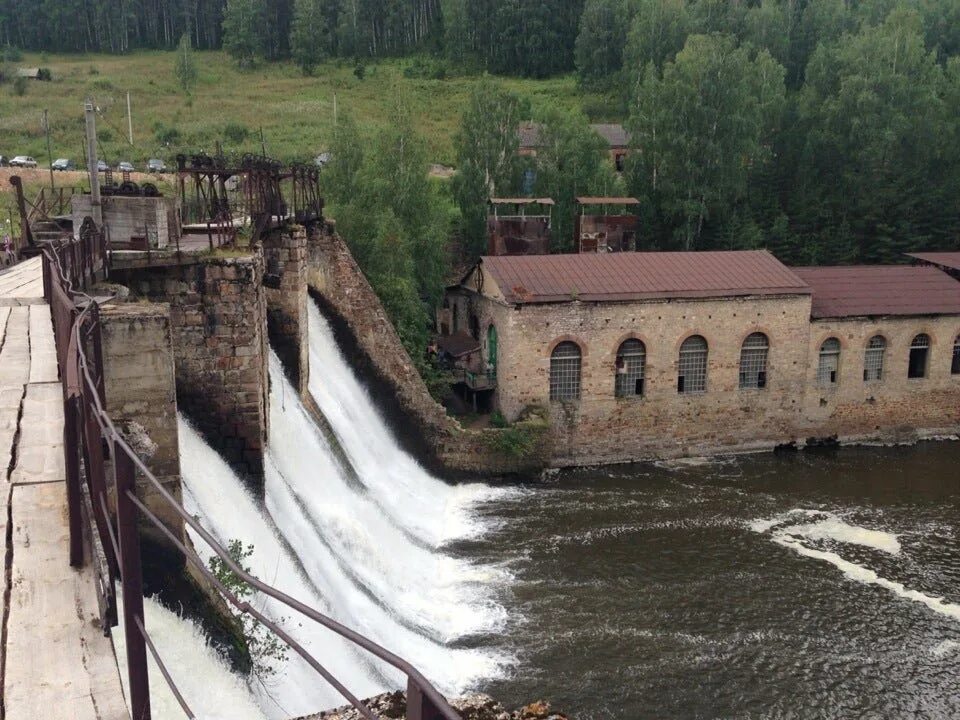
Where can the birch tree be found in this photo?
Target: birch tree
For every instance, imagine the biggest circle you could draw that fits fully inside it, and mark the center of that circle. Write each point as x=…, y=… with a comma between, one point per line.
x=700, y=129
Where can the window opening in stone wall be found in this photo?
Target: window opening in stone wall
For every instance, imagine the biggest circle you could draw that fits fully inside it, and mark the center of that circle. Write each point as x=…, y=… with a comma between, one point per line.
x=919, y=353
x=492, y=352
x=955, y=363
x=565, y=372
x=829, y=366
x=753, y=361
x=631, y=357
x=692, y=373
x=873, y=358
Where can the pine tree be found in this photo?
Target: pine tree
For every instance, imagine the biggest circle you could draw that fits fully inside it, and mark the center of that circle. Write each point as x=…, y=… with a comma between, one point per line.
x=599, y=48
x=309, y=35
x=185, y=68
x=243, y=30
x=487, y=161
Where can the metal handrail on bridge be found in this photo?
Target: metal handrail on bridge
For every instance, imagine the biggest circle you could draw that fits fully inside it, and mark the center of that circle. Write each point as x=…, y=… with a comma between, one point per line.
x=91, y=438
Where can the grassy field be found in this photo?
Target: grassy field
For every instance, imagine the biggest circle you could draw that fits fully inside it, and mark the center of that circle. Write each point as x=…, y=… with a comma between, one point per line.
x=296, y=113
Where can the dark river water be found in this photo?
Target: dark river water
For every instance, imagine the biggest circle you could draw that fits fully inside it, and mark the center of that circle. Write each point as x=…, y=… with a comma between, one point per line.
x=816, y=584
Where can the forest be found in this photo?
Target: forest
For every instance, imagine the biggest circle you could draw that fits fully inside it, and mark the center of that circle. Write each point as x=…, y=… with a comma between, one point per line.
x=825, y=130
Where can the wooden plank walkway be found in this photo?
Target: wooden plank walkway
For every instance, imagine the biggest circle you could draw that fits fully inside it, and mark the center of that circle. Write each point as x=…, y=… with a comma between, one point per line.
x=55, y=661
x=22, y=284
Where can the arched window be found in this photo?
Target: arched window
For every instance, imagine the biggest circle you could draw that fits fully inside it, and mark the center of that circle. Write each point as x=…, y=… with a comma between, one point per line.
x=631, y=357
x=692, y=372
x=828, y=370
x=955, y=363
x=565, y=372
x=753, y=361
x=919, y=354
x=873, y=358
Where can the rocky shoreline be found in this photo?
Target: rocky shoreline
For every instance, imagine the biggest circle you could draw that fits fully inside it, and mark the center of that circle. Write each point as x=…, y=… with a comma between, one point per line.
x=474, y=706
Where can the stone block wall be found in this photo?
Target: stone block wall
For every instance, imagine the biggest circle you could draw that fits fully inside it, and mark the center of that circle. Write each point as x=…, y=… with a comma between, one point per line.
x=141, y=398
x=895, y=407
x=603, y=428
x=218, y=324
x=285, y=281
x=370, y=340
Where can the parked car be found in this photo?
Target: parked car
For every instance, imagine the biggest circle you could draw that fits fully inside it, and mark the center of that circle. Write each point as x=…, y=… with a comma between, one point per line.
x=4, y=161
x=102, y=166
x=155, y=165
x=125, y=167
x=24, y=161
x=62, y=164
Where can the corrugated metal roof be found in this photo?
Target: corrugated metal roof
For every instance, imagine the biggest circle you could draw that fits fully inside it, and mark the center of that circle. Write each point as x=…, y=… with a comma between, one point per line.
x=857, y=291
x=641, y=275
x=521, y=201
x=458, y=344
x=614, y=133
x=607, y=201
x=943, y=259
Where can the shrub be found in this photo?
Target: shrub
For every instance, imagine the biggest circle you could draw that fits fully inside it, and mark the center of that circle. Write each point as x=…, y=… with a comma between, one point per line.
x=235, y=132
x=426, y=68
x=360, y=70
x=20, y=86
x=166, y=135
x=93, y=70
x=12, y=54
x=266, y=649
x=516, y=441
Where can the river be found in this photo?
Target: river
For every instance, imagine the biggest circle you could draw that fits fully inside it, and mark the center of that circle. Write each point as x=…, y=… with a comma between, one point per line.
x=815, y=584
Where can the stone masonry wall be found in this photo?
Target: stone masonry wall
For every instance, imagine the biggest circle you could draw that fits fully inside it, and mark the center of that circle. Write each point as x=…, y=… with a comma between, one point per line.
x=894, y=408
x=285, y=281
x=218, y=324
x=440, y=442
x=602, y=428
x=141, y=397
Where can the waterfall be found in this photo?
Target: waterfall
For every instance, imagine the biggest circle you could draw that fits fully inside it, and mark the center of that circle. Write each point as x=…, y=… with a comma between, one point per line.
x=357, y=529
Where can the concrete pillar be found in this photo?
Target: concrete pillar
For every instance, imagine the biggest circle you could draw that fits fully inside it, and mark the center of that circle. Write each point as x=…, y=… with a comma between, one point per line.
x=141, y=399
x=218, y=324
x=285, y=282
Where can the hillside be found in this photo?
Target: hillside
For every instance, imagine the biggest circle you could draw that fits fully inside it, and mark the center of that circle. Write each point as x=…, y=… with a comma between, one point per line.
x=296, y=112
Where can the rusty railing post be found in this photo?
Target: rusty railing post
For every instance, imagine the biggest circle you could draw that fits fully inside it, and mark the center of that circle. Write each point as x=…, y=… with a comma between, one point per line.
x=419, y=706
x=71, y=449
x=131, y=582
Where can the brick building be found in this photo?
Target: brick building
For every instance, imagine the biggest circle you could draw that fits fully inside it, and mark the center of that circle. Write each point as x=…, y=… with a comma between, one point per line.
x=642, y=355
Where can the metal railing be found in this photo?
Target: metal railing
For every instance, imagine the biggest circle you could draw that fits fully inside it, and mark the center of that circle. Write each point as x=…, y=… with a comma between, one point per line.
x=102, y=467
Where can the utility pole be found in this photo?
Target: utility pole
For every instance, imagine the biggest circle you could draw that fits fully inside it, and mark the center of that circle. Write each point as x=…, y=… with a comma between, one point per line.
x=129, y=120
x=88, y=112
x=46, y=129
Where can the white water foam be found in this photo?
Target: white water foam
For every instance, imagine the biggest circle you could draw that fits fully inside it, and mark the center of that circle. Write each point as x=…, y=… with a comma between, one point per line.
x=831, y=527
x=362, y=543
x=218, y=498
x=203, y=677
x=945, y=648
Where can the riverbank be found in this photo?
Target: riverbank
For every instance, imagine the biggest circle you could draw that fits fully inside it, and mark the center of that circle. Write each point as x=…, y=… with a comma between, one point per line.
x=475, y=706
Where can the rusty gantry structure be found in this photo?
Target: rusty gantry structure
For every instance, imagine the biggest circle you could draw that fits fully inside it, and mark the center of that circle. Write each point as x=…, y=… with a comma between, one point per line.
x=511, y=231
x=604, y=230
x=220, y=195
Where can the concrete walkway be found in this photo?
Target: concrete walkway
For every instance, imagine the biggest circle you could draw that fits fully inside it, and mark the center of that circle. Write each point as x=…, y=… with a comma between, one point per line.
x=54, y=661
